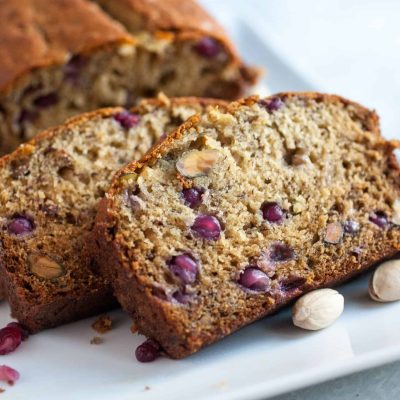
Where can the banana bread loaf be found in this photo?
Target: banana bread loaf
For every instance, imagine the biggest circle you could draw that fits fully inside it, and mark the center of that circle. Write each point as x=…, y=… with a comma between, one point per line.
x=242, y=210
x=51, y=186
x=59, y=58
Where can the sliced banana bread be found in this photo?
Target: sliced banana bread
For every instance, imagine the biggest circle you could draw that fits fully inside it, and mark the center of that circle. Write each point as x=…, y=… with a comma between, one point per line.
x=240, y=211
x=59, y=58
x=202, y=53
x=50, y=189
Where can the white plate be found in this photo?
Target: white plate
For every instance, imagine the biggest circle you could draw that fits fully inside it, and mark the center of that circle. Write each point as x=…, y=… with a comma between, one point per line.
x=267, y=358
x=264, y=359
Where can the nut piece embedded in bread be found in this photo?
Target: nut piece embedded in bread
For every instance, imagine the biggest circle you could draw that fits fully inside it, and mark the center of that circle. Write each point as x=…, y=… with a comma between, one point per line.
x=334, y=233
x=197, y=163
x=44, y=267
x=207, y=254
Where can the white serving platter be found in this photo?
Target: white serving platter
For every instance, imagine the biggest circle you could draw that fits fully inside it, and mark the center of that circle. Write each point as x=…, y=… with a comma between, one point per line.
x=262, y=360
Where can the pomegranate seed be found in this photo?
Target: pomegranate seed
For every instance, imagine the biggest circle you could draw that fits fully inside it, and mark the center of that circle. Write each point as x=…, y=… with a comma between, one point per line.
x=46, y=100
x=20, y=226
x=148, y=351
x=273, y=104
x=208, y=47
x=280, y=252
x=184, y=267
x=127, y=119
x=193, y=197
x=379, y=218
x=10, y=339
x=207, y=227
x=8, y=374
x=23, y=330
x=255, y=279
x=272, y=212
x=73, y=68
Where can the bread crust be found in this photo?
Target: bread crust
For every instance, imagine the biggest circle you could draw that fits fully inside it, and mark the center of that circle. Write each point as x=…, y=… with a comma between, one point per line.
x=28, y=147
x=96, y=297
x=170, y=15
x=152, y=316
x=369, y=118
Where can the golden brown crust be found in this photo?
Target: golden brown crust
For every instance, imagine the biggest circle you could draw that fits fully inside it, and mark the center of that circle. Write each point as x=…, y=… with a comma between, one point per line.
x=369, y=118
x=175, y=15
x=162, y=100
x=44, y=33
x=157, y=321
x=29, y=147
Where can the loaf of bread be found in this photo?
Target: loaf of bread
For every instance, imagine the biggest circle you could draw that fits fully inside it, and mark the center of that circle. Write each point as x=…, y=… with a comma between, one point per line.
x=59, y=58
x=242, y=210
x=50, y=190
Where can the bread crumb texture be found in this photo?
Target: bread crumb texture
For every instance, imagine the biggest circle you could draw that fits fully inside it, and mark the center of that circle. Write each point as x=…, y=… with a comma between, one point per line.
x=51, y=187
x=299, y=197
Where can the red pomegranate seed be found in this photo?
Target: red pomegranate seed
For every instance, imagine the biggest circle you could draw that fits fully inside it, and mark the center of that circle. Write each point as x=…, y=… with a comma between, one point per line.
x=8, y=374
x=255, y=279
x=193, y=196
x=272, y=212
x=280, y=252
x=23, y=330
x=127, y=119
x=208, y=47
x=184, y=267
x=379, y=218
x=10, y=339
x=273, y=104
x=148, y=351
x=207, y=227
x=20, y=225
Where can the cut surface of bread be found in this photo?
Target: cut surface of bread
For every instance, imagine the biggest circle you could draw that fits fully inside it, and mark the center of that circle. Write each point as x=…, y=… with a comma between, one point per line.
x=50, y=190
x=242, y=210
x=53, y=67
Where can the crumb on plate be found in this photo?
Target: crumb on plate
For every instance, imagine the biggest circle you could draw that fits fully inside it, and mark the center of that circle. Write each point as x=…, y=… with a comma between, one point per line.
x=102, y=324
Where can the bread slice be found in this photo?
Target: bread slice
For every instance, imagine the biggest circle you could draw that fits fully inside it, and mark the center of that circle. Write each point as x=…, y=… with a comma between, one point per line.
x=50, y=189
x=242, y=210
x=60, y=58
